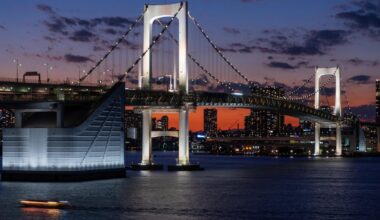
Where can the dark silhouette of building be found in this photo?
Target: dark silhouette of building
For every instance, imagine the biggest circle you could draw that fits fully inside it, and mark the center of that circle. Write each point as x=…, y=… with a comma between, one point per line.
x=307, y=127
x=165, y=123
x=160, y=124
x=7, y=118
x=263, y=123
x=210, y=122
x=133, y=125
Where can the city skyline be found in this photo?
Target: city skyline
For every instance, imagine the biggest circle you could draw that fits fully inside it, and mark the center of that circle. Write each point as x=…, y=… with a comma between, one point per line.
x=281, y=51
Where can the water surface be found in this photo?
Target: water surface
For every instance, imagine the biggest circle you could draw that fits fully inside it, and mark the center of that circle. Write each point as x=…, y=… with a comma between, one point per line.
x=231, y=187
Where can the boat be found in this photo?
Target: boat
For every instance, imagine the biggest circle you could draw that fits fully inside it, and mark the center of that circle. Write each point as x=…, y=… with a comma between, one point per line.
x=45, y=203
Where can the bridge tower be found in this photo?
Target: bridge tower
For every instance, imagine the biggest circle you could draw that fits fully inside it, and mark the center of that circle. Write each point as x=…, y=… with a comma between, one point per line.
x=154, y=12
x=319, y=72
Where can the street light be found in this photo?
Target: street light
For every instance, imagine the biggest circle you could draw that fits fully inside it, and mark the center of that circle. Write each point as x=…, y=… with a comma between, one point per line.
x=17, y=66
x=47, y=71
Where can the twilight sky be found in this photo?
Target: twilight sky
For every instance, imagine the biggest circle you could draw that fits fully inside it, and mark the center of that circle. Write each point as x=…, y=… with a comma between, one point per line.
x=274, y=42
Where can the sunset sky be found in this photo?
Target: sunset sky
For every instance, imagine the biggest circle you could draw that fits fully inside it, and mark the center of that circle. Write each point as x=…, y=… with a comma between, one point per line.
x=272, y=42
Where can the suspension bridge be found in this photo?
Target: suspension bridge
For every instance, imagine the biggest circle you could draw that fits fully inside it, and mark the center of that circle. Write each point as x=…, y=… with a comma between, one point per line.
x=175, y=67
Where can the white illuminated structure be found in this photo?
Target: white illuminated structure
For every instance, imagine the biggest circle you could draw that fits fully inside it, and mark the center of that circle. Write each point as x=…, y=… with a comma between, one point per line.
x=97, y=143
x=154, y=12
x=319, y=72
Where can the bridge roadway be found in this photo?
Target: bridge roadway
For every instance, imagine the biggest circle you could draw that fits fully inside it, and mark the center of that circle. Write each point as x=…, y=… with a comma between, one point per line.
x=162, y=100
x=15, y=95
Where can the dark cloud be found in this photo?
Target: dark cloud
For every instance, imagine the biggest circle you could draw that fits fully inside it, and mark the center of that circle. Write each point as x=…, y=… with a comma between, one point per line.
x=364, y=17
x=82, y=30
x=355, y=61
x=231, y=30
x=281, y=65
x=76, y=58
x=315, y=42
x=49, y=57
x=50, y=39
x=360, y=79
x=110, y=31
x=97, y=48
x=112, y=21
x=56, y=26
x=45, y=8
x=284, y=65
x=245, y=48
x=82, y=35
x=359, y=62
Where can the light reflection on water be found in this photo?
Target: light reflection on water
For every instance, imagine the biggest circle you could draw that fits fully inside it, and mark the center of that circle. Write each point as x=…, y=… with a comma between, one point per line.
x=230, y=188
x=44, y=213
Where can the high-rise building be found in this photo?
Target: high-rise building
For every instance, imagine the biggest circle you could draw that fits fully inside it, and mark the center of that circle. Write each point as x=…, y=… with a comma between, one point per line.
x=370, y=135
x=210, y=122
x=307, y=127
x=262, y=123
x=165, y=123
x=160, y=124
x=7, y=118
x=133, y=124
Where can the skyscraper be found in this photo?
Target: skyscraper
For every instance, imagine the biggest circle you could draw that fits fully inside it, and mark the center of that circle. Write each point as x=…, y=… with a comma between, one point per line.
x=262, y=123
x=210, y=122
x=165, y=123
x=7, y=118
x=133, y=124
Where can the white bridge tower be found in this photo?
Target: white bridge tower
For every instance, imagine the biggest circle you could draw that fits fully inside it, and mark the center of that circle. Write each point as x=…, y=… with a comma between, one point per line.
x=319, y=72
x=154, y=12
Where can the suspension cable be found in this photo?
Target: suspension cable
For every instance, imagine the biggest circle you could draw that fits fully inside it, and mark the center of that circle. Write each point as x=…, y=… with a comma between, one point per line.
x=300, y=87
x=218, y=50
x=196, y=62
x=316, y=91
x=116, y=44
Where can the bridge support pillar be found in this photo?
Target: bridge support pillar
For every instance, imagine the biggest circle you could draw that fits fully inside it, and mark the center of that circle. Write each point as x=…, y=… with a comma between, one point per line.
x=338, y=145
x=183, y=142
x=146, y=137
x=317, y=133
x=146, y=154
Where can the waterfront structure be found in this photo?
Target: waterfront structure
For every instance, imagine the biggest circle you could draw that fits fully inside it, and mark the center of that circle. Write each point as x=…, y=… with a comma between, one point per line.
x=76, y=145
x=210, y=122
